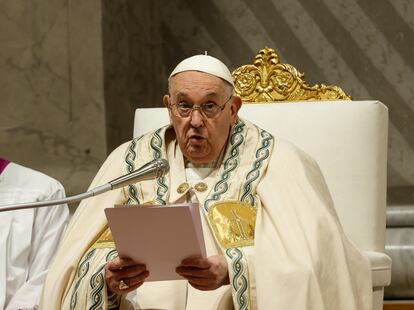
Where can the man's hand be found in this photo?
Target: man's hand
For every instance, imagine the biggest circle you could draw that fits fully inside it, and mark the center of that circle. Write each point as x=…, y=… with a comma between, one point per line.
x=126, y=270
x=205, y=274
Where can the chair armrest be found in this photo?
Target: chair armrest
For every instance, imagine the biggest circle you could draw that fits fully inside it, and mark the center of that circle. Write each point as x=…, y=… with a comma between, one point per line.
x=380, y=268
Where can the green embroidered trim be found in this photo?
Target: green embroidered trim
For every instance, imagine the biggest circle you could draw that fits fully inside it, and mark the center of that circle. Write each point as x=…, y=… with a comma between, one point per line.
x=131, y=155
x=113, y=301
x=231, y=163
x=132, y=193
x=262, y=155
x=97, y=283
x=157, y=145
x=239, y=278
x=130, y=161
x=97, y=294
x=238, y=270
x=80, y=274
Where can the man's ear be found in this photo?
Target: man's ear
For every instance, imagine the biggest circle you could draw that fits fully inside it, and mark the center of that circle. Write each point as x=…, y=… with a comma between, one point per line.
x=165, y=100
x=234, y=108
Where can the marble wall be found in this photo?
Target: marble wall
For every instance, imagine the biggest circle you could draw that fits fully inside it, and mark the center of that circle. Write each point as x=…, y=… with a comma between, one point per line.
x=52, y=113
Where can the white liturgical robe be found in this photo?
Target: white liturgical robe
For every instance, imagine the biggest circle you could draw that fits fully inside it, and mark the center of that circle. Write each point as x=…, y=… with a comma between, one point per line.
x=266, y=209
x=28, y=238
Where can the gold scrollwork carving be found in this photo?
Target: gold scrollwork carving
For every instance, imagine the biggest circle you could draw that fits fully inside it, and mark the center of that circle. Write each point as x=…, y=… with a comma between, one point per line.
x=267, y=80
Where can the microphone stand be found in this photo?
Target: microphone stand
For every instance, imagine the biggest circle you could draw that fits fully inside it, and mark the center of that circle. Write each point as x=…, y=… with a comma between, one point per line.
x=154, y=169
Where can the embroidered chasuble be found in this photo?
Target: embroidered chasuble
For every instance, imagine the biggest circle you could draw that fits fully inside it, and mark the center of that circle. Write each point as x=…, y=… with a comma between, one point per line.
x=265, y=207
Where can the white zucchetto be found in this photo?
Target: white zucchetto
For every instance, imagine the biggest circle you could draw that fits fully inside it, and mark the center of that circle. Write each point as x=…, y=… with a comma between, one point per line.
x=206, y=64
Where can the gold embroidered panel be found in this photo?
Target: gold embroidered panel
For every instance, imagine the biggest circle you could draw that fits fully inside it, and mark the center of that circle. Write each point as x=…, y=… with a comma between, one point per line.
x=267, y=80
x=105, y=240
x=233, y=223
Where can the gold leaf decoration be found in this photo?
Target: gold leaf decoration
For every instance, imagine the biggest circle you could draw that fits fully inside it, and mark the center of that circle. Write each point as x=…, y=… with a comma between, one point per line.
x=267, y=80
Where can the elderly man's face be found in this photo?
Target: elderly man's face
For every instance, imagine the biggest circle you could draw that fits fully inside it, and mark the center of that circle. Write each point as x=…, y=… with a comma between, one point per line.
x=201, y=138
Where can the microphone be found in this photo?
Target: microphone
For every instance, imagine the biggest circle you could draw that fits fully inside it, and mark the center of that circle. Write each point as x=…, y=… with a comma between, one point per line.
x=154, y=169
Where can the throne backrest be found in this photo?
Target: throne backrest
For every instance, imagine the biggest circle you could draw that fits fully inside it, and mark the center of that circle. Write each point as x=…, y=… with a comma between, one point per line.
x=347, y=138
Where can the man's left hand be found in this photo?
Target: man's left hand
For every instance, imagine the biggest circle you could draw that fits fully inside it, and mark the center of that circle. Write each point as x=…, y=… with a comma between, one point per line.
x=205, y=274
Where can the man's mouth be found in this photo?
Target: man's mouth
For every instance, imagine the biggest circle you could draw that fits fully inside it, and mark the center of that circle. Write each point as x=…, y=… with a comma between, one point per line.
x=196, y=138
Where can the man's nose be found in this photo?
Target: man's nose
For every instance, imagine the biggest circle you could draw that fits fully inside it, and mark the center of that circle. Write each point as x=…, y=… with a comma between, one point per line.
x=197, y=119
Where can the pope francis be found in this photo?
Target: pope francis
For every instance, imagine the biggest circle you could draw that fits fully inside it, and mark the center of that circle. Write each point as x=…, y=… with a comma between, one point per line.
x=273, y=238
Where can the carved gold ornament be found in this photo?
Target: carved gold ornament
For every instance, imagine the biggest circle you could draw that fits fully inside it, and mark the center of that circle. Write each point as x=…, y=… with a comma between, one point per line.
x=267, y=80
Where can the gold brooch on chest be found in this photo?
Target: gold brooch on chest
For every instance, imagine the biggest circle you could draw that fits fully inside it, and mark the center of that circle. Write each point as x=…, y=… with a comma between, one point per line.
x=200, y=187
x=182, y=188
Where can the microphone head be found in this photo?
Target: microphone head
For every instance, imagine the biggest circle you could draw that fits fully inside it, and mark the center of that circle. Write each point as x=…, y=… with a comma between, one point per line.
x=152, y=170
x=162, y=167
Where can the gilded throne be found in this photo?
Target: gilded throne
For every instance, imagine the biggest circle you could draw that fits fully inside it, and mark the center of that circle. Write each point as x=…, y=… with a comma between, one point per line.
x=347, y=138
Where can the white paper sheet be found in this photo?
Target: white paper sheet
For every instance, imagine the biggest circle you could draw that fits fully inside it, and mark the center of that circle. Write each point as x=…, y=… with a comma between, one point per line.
x=158, y=236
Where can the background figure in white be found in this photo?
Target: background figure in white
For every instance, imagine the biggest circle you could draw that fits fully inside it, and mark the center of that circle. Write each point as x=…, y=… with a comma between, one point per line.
x=28, y=238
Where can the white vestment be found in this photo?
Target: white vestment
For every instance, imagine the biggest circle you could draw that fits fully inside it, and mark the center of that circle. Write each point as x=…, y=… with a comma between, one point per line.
x=28, y=238
x=293, y=255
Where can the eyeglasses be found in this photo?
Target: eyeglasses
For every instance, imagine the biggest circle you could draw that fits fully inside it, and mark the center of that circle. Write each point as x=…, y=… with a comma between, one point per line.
x=208, y=109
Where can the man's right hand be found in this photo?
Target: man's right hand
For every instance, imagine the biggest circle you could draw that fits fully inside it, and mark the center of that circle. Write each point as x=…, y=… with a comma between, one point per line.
x=123, y=275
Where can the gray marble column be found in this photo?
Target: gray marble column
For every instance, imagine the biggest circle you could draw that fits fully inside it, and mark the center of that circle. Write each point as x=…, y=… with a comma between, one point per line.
x=51, y=88
x=134, y=72
x=399, y=245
